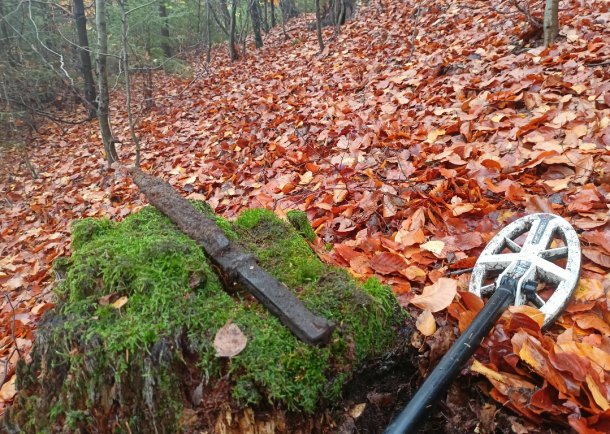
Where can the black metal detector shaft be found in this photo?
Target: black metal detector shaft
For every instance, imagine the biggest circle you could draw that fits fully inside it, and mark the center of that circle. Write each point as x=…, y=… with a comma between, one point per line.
x=525, y=263
x=451, y=363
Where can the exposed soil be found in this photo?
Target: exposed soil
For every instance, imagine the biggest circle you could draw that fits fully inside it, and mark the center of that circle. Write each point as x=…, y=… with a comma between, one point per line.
x=386, y=385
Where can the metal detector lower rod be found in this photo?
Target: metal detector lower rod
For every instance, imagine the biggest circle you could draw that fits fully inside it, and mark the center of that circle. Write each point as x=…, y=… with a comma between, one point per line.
x=436, y=383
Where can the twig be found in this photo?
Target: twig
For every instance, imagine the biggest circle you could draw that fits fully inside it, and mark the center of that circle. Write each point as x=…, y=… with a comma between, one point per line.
x=458, y=272
x=16, y=347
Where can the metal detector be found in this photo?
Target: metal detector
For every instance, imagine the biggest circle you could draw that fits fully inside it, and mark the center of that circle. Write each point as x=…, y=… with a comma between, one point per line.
x=535, y=252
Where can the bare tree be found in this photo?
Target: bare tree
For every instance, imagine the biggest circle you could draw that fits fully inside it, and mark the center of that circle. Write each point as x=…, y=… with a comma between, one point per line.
x=167, y=50
x=233, y=53
x=255, y=14
x=102, y=72
x=125, y=59
x=551, y=21
x=319, y=26
x=85, y=58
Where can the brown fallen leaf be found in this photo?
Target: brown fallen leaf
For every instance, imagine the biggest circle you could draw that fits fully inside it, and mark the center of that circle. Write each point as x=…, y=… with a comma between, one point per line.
x=387, y=262
x=8, y=390
x=229, y=341
x=438, y=296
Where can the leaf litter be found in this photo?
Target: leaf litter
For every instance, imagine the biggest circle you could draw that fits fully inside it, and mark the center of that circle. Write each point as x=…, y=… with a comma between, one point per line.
x=394, y=149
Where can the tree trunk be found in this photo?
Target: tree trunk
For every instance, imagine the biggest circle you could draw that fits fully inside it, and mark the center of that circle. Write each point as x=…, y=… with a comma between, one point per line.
x=551, y=21
x=208, y=32
x=255, y=13
x=167, y=51
x=232, y=45
x=124, y=40
x=289, y=9
x=319, y=26
x=85, y=58
x=102, y=72
x=266, y=16
x=272, y=13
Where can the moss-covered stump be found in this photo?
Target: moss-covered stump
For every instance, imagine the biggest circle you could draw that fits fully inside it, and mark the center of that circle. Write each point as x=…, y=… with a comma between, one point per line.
x=129, y=347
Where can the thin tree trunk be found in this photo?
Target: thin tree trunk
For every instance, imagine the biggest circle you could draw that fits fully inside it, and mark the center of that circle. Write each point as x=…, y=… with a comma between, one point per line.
x=289, y=9
x=208, y=37
x=102, y=72
x=255, y=14
x=232, y=45
x=85, y=57
x=319, y=26
x=266, y=16
x=125, y=58
x=167, y=50
x=272, y=13
x=551, y=21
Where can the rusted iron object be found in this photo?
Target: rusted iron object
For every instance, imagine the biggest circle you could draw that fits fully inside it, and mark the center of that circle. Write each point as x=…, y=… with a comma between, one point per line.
x=237, y=268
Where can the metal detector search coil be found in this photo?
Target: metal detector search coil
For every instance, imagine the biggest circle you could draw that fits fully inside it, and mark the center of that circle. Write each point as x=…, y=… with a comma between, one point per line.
x=536, y=259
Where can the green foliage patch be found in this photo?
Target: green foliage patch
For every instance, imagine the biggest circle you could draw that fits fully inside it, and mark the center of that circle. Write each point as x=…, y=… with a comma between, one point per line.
x=94, y=360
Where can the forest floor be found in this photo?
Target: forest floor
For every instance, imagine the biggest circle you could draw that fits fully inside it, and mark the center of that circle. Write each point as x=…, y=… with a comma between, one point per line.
x=418, y=133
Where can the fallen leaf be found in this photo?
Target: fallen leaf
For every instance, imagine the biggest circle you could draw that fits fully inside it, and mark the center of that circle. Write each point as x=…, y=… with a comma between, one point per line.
x=356, y=411
x=120, y=302
x=425, y=323
x=437, y=296
x=340, y=192
x=387, y=262
x=229, y=341
x=435, y=246
x=8, y=390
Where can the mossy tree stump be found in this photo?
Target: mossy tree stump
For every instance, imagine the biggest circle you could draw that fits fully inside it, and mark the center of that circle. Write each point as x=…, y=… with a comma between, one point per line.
x=150, y=366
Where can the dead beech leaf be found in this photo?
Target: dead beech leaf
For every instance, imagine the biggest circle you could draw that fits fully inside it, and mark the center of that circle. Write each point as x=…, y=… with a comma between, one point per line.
x=437, y=296
x=408, y=238
x=14, y=283
x=434, y=134
x=389, y=108
x=590, y=320
x=589, y=289
x=120, y=302
x=462, y=208
x=507, y=380
x=229, y=340
x=413, y=272
x=305, y=178
x=434, y=246
x=357, y=410
x=387, y=262
x=8, y=391
x=340, y=192
x=425, y=323
x=597, y=256
x=598, y=396
x=41, y=308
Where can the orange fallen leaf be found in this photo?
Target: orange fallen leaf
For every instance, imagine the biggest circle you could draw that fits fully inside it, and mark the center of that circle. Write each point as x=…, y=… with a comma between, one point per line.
x=437, y=296
x=387, y=262
x=8, y=390
x=425, y=323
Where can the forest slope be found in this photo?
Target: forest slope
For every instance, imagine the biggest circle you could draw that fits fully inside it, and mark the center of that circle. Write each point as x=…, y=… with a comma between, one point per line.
x=418, y=133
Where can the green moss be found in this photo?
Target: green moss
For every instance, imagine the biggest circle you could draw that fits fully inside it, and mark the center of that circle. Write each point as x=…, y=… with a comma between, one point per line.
x=139, y=356
x=299, y=220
